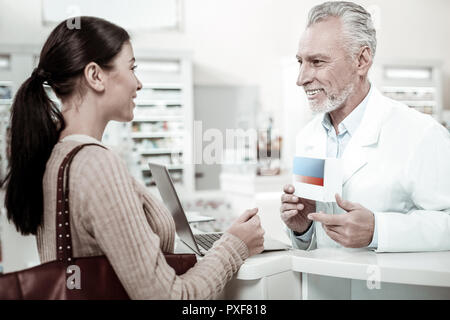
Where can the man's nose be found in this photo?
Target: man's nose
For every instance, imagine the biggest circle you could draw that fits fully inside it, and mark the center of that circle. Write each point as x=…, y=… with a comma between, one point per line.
x=305, y=75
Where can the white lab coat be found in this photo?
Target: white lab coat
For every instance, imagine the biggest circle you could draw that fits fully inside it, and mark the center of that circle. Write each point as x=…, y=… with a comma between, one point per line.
x=398, y=166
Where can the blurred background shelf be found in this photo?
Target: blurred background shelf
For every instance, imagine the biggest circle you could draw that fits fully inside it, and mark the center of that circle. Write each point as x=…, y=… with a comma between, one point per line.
x=160, y=151
x=143, y=135
x=417, y=84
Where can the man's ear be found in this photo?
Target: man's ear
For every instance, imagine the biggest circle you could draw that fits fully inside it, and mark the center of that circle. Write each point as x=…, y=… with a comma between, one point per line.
x=94, y=76
x=364, y=60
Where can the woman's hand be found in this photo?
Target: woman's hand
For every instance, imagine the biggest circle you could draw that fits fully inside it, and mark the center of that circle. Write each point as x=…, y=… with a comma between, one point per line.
x=248, y=228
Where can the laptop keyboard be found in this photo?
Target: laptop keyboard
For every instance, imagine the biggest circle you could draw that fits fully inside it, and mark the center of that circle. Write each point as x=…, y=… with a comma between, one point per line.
x=206, y=240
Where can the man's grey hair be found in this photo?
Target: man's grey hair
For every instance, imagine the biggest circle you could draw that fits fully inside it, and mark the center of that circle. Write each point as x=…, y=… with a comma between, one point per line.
x=357, y=24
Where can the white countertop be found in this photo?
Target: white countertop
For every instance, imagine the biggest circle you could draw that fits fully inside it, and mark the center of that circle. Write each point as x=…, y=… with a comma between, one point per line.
x=423, y=268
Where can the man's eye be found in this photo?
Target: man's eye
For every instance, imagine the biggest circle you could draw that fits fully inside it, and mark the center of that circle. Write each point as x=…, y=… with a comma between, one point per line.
x=317, y=62
x=300, y=62
x=134, y=67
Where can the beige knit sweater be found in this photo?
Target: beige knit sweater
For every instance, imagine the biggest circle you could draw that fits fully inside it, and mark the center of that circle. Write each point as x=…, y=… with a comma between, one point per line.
x=114, y=215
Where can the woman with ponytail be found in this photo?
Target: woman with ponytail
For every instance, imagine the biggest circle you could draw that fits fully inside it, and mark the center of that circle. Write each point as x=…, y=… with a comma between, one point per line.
x=91, y=70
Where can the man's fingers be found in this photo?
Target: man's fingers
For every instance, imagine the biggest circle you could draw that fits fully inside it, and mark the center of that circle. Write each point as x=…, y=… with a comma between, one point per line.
x=286, y=215
x=291, y=206
x=328, y=219
x=289, y=198
x=289, y=188
x=344, y=204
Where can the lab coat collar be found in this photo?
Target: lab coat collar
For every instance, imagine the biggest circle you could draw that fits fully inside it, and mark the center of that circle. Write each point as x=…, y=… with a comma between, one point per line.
x=369, y=130
x=352, y=121
x=361, y=144
x=367, y=133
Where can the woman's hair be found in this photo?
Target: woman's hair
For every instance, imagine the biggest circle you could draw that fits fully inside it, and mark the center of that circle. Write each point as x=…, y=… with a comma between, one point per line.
x=36, y=122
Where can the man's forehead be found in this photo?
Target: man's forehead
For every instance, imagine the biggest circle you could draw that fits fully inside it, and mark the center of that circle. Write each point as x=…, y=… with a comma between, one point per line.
x=312, y=55
x=321, y=38
x=315, y=50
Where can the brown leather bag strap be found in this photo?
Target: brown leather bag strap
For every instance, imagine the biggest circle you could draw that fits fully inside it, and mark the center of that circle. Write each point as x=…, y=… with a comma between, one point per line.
x=63, y=234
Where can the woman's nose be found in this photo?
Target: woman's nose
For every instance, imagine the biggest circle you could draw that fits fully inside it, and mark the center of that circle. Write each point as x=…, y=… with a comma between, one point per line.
x=139, y=84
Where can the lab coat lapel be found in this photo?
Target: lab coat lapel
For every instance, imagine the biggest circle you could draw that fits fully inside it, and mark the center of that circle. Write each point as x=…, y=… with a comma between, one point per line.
x=355, y=157
x=357, y=152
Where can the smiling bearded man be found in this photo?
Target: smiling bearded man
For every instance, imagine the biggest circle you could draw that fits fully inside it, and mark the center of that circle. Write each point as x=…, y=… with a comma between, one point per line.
x=395, y=159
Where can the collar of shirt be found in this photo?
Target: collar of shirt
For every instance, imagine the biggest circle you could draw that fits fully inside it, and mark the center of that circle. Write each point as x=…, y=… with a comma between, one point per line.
x=81, y=138
x=351, y=123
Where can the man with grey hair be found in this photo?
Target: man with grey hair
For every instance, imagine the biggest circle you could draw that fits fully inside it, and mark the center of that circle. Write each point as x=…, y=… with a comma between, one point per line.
x=396, y=172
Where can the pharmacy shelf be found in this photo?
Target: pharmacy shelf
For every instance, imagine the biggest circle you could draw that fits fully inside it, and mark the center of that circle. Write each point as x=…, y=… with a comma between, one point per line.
x=168, y=166
x=10, y=69
x=161, y=131
x=417, y=103
x=417, y=84
x=160, y=151
x=410, y=89
x=143, y=135
x=163, y=85
x=158, y=102
x=158, y=118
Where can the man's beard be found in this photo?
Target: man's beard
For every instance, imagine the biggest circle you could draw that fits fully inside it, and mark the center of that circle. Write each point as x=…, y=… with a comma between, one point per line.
x=332, y=102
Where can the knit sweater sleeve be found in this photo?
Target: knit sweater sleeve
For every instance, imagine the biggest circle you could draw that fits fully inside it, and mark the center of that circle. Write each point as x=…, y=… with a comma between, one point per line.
x=119, y=224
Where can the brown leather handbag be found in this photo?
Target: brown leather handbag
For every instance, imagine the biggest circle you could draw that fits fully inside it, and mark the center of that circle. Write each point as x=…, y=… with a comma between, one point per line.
x=69, y=278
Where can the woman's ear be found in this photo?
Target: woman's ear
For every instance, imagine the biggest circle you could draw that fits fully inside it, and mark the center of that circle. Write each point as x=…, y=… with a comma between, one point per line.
x=94, y=76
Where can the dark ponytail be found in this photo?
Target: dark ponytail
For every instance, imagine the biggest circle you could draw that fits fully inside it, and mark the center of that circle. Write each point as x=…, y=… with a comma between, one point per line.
x=36, y=121
x=35, y=125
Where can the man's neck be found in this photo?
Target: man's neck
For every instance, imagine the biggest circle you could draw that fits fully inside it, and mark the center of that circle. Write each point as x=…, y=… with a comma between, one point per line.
x=338, y=115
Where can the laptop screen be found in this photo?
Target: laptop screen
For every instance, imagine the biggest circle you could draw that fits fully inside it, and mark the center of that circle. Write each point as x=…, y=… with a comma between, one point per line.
x=172, y=202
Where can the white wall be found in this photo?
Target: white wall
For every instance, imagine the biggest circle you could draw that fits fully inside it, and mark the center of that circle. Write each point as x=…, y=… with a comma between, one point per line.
x=242, y=41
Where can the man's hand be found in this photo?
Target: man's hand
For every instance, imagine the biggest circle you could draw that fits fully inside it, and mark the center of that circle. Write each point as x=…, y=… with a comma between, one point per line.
x=352, y=230
x=294, y=210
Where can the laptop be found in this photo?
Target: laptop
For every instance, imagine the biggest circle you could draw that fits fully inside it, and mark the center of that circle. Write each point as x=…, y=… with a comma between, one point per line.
x=202, y=242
